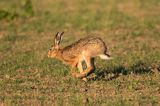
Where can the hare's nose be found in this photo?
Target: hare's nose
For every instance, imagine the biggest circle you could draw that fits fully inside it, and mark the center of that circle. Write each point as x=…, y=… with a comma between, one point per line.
x=49, y=54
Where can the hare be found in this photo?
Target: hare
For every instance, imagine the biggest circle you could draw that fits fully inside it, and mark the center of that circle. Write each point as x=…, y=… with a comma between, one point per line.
x=84, y=49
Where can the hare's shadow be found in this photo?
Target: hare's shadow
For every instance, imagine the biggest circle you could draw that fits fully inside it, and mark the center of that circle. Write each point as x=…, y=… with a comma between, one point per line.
x=108, y=74
x=137, y=68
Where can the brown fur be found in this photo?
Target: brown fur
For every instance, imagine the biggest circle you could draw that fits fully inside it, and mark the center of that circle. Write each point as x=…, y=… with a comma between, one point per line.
x=83, y=50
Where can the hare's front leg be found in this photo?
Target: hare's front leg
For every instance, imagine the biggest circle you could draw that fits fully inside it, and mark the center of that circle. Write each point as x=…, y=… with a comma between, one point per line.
x=80, y=67
x=73, y=67
x=88, y=70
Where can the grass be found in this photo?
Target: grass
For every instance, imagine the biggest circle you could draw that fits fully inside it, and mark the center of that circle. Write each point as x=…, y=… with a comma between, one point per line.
x=130, y=28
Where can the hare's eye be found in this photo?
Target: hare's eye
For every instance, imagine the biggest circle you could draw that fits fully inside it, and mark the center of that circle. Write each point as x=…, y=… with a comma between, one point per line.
x=52, y=48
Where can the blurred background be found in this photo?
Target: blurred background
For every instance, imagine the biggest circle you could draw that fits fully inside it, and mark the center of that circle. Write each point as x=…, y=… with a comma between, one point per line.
x=130, y=28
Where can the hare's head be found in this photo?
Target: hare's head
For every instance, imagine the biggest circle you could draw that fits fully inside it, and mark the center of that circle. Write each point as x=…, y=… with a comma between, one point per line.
x=55, y=48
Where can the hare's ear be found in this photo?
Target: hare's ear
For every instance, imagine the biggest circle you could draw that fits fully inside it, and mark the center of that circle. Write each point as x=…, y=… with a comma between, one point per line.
x=58, y=38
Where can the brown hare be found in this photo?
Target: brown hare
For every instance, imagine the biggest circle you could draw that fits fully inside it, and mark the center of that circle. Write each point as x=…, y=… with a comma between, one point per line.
x=83, y=50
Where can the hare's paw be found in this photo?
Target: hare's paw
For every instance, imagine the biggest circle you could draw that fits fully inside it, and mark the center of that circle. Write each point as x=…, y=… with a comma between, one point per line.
x=74, y=74
x=85, y=79
x=78, y=75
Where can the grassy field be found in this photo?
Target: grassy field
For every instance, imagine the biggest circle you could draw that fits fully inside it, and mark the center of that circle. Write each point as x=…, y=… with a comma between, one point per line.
x=130, y=28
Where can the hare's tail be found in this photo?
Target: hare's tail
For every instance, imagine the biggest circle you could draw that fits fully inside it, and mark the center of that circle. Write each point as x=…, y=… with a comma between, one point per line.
x=105, y=56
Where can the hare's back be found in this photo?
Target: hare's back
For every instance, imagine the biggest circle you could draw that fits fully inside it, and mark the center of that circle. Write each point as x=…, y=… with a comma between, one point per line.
x=94, y=46
x=90, y=45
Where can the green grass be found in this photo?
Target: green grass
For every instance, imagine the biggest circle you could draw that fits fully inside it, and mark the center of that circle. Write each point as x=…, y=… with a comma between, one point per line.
x=131, y=29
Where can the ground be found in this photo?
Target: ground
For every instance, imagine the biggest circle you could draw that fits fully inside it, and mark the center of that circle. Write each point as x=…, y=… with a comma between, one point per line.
x=130, y=28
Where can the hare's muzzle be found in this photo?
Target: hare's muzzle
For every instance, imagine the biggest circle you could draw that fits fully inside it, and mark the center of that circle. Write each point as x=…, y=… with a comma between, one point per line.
x=49, y=53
